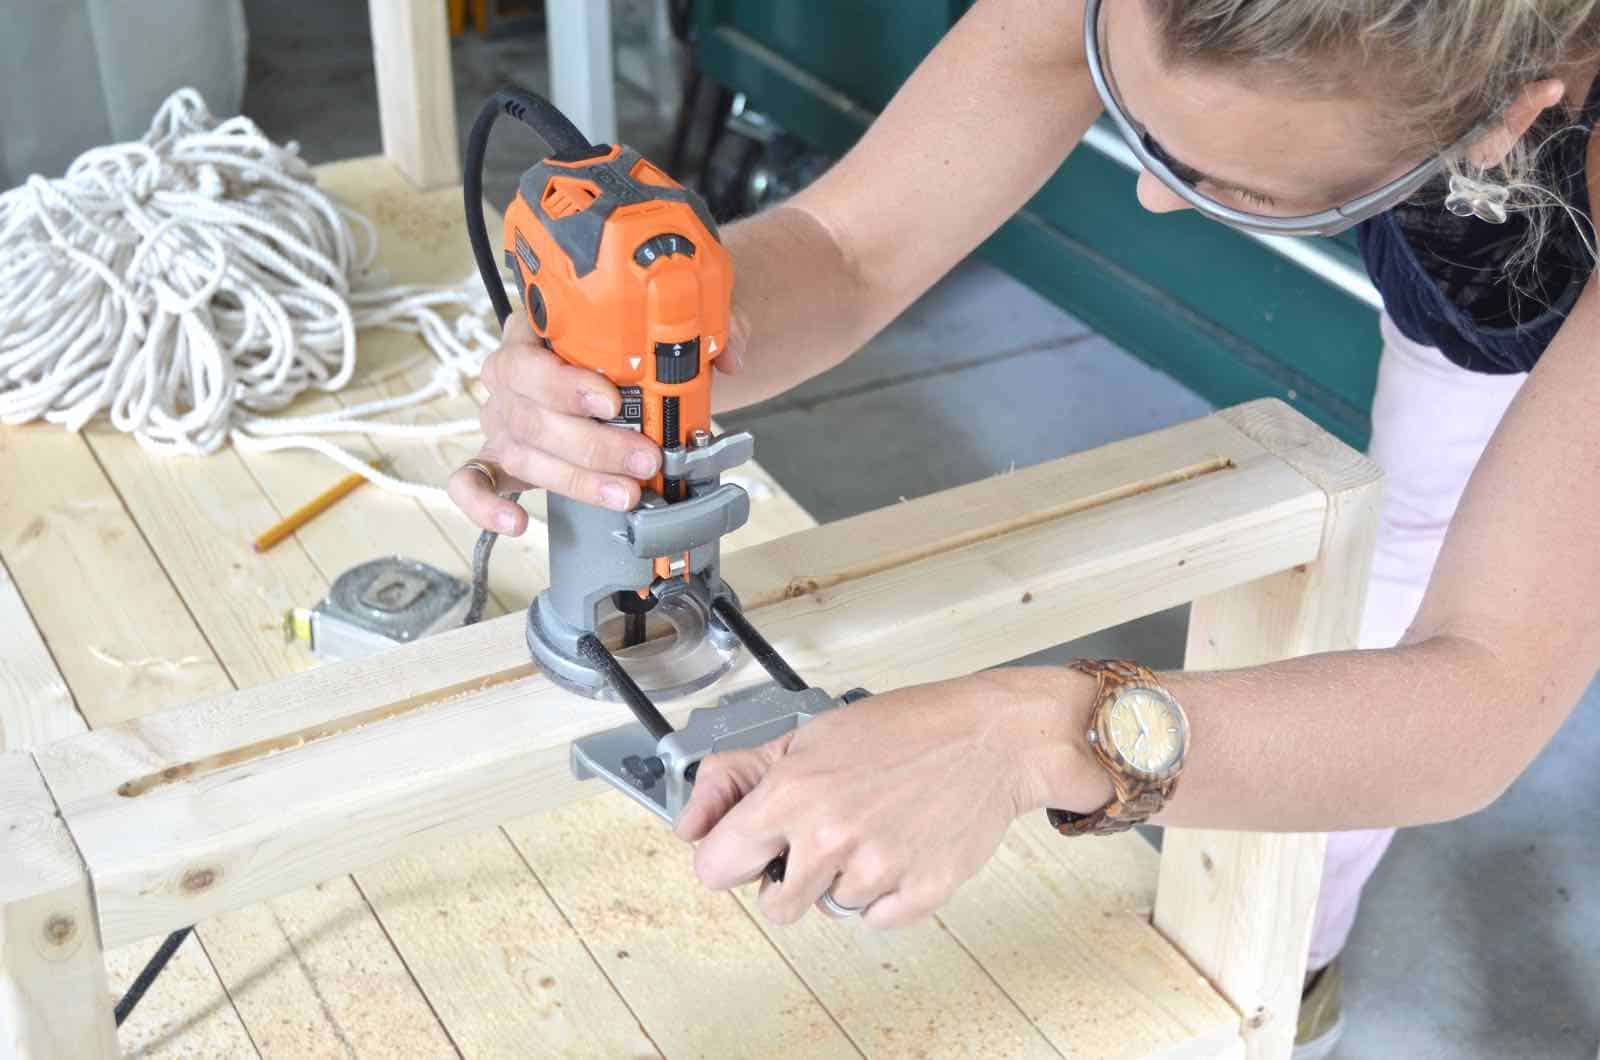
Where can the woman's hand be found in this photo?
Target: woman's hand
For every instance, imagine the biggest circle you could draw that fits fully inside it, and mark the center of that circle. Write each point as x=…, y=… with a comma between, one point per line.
x=895, y=801
x=541, y=429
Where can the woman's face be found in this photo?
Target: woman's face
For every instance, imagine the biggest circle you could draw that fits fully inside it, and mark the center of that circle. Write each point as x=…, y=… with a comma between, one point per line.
x=1252, y=147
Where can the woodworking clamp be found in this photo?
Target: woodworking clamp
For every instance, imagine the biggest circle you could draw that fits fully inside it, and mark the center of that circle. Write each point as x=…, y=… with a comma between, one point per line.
x=621, y=270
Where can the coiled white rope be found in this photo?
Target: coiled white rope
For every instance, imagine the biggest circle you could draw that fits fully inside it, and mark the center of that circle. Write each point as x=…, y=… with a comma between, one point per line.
x=192, y=283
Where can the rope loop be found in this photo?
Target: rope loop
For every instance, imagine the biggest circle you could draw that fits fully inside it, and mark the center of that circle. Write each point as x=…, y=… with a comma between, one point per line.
x=189, y=285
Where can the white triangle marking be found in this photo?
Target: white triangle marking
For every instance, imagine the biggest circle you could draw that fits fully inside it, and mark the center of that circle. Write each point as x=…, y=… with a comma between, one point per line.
x=633, y=362
x=711, y=346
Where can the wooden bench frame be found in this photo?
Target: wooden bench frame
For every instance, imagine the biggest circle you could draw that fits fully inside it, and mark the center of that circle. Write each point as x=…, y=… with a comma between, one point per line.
x=1255, y=514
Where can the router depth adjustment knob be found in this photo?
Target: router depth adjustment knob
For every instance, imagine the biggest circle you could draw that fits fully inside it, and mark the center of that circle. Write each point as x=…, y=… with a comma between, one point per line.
x=663, y=246
x=677, y=362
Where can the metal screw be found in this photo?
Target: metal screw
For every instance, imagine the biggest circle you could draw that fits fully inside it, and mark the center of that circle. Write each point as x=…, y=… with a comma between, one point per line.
x=644, y=772
x=699, y=438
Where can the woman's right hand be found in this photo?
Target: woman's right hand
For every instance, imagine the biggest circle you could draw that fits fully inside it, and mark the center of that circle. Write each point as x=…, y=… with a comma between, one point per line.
x=540, y=430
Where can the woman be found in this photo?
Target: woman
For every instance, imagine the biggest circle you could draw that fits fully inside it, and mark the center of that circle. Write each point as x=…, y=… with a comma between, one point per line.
x=1457, y=132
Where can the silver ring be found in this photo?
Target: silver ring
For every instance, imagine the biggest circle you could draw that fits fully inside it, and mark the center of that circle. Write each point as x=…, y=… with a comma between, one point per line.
x=831, y=906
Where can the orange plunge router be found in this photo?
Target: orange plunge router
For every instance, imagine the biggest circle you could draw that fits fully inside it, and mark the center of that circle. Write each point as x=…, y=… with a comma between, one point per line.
x=620, y=270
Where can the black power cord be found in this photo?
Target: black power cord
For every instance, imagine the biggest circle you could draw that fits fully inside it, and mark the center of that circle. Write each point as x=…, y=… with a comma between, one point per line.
x=569, y=144
x=538, y=114
x=147, y=975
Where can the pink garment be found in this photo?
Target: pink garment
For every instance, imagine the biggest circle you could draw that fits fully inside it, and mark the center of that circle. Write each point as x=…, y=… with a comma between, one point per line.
x=1430, y=423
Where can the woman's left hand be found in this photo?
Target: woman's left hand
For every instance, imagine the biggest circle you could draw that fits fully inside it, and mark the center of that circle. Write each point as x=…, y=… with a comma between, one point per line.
x=895, y=801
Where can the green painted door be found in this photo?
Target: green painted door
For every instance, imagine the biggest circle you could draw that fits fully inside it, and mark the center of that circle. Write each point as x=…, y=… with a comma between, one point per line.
x=1228, y=316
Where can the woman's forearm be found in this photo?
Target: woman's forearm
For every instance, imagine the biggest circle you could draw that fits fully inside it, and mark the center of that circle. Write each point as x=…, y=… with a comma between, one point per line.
x=817, y=277
x=798, y=306
x=1405, y=736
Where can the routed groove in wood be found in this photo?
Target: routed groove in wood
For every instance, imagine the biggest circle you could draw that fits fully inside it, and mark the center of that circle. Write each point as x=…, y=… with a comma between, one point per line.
x=804, y=586
x=186, y=770
x=794, y=589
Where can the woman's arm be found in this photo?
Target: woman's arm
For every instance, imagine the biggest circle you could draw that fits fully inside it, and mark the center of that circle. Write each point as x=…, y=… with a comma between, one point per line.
x=972, y=134
x=899, y=799
x=984, y=120
x=1503, y=646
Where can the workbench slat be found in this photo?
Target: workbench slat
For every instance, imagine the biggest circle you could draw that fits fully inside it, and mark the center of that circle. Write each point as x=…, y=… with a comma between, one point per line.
x=35, y=706
x=1119, y=989
x=64, y=530
x=115, y=627
x=307, y=967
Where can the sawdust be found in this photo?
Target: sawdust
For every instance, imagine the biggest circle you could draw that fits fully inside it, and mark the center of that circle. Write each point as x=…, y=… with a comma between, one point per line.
x=400, y=213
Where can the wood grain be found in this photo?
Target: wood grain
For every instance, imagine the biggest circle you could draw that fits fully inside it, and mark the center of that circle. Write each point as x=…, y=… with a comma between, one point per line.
x=54, y=1001
x=35, y=706
x=115, y=628
x=1239, y=904
x=296, y=814
x=1118, y=988
x=66, y=531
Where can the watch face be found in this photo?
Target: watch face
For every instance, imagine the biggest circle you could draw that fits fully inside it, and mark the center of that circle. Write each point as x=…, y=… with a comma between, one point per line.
x=1146, y=729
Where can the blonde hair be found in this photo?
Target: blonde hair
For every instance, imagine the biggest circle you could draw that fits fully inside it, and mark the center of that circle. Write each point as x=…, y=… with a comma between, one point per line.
x=1438, y=68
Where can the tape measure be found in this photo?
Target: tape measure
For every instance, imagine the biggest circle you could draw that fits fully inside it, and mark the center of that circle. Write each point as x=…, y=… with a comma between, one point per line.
x=378, y=605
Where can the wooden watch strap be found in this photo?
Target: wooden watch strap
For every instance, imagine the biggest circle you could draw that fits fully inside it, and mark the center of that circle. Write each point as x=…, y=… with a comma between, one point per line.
x=1126, y=807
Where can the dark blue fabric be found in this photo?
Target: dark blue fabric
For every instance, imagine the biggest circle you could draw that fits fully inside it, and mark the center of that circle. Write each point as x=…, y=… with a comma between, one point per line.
x=1424, y=314
x=1442, y=278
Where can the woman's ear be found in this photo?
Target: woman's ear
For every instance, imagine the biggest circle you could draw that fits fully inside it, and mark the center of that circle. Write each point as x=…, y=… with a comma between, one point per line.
x=1535, y=98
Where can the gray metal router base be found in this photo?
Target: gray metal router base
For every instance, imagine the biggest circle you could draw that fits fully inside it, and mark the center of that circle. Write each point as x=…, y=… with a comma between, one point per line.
x=699, y=652
x=595, y=553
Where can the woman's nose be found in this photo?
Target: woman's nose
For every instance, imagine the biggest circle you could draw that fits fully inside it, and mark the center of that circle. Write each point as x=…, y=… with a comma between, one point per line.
x=1157, y=197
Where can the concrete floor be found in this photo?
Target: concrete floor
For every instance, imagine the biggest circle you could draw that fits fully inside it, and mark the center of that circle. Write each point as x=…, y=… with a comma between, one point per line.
x=1478, y=939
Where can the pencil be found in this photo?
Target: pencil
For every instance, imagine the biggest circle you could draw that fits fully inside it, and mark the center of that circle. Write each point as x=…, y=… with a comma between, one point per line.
x=308, y=511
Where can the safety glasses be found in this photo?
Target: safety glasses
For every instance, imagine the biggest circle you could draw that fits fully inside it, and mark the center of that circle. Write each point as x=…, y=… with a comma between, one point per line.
x=1152, y=157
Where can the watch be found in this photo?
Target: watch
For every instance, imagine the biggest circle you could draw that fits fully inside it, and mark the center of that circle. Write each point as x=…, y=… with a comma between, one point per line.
x=1140, y=734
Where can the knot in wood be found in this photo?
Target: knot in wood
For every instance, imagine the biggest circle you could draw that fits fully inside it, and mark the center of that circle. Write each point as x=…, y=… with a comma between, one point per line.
x=197, y=880
x=60, y=929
